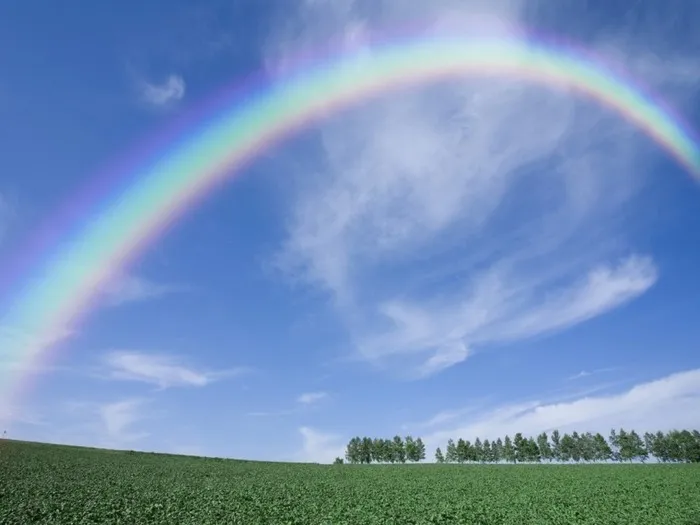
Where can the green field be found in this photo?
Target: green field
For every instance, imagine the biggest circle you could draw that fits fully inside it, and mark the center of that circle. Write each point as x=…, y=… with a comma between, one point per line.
x=58, y=484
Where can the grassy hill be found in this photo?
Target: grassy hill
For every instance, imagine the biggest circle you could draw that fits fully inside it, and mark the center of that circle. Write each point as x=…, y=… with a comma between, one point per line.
x=41, y=483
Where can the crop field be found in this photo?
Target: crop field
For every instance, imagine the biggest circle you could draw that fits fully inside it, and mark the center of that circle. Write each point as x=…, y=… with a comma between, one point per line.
x=58, y=484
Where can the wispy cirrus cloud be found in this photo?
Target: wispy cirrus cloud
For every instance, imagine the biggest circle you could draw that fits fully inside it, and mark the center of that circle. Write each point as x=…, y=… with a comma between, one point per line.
x=588, y=373
x=309, y=398
x=496, y=310
x=273, y=413
x=163, y=94
x=303, y=402
x=162, y=370
x=480, y=210
x=129, y=288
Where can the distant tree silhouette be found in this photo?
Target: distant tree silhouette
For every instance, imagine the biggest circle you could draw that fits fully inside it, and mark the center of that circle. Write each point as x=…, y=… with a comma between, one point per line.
x=676, y=446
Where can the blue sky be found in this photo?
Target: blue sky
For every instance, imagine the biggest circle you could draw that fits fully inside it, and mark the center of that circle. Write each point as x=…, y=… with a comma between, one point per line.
x=467, y=259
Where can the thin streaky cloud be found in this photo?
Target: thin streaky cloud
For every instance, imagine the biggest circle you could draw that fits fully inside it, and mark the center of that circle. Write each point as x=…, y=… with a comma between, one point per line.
x=162, y=370
x=310, y=398
x=132, y=288
x=304, y=402
x=586, y=373
x=172, y=90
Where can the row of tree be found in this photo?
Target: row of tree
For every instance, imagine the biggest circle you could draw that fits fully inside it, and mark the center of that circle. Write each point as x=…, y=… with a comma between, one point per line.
x=674, y=446
x=397, y=450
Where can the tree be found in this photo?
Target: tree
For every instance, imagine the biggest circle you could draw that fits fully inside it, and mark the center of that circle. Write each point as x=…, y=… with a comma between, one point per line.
x=533, y=451
x=338, y=461
x=388, y=450
x=626, y=448
x=543, y=446
x=602, y=449
x=685, y=446
x=462, y=450
x=556, y=445
x=352, y=451
x=520, y=446
x=398, y=453
x=587, y=447
x=382, y=450
x=660, y=447
x=567, y=446
x=508, y=450
x=420, y=450
x=366, y=450
x=615, y=445
x=439, y=458
x=674, y=444
x=451, y=452
x=497, y=449
x=470, y=451
x=575, y=446
x=488, y=452
x=693, y=446
x=478, y=453
x=409, y=446
x=649, y=442
x=638, y=450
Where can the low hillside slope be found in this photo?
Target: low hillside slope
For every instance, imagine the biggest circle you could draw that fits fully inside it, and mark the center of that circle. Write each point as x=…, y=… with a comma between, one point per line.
x=42, y=483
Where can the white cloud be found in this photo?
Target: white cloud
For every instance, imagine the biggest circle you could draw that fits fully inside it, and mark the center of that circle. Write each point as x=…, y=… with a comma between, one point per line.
x=162, y=370
x=587, y=373
x=172, y=90
x=603, y=289
x=118, y=419
x=131, y=288
x=662, y=404
x=319, y=447
x=110, y=424
x=278, y=413
x=501, y=311
x=310, y=398
x=479, y=210
x=11, y=414
x=445, y=416
x=304, y=402
x=18, y=344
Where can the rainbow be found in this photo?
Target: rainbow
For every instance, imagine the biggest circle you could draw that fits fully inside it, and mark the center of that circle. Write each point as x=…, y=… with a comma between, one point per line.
x=65, y=287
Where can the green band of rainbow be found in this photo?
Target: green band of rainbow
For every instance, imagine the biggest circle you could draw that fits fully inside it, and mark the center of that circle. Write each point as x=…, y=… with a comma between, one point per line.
x=218, y=149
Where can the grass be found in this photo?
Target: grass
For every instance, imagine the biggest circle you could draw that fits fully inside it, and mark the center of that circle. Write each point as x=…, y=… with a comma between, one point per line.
x=42, y=483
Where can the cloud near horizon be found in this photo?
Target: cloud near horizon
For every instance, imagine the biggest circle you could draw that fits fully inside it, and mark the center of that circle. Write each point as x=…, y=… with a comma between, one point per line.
x=671, y=402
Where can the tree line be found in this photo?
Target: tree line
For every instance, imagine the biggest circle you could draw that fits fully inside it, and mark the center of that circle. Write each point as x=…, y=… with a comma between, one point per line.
x=396, y=450
x=676, y=446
